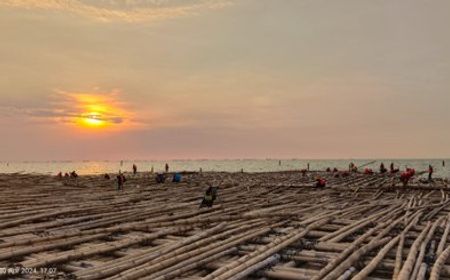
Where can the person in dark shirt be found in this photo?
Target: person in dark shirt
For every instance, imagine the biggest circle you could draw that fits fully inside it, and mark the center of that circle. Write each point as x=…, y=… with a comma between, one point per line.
x=120, y=181
x=382, y=168
x=209, y=197
x=160, y=178
x=73, y=174
x=167, y=167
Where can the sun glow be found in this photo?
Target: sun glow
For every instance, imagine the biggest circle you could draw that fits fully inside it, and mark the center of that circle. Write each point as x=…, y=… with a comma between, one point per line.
x=96, y=111
x=92, y=120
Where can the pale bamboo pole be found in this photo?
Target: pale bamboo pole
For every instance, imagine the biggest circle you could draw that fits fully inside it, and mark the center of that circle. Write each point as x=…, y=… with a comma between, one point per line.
x=252, y=269
x=134, y=260
x=108, y=247
x=185, y=268
x=399, y=257
x=441, y=245
x=11, y=253
x=439, y=263
x=424, y=246
x=210, y=249
x=384, y=227
x=340, y=269
x=408, y=266
x=364, y=273
x=422, y=272
x=347, y=273
x=261, y=253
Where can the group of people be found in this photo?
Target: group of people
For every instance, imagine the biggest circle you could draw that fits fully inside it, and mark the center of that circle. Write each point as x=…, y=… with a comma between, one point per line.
x=210, y=194
x=72, y=175
x=405, y=176
x=159, y=178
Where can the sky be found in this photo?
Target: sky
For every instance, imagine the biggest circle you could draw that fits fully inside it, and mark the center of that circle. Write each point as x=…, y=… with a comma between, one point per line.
x=190, y=79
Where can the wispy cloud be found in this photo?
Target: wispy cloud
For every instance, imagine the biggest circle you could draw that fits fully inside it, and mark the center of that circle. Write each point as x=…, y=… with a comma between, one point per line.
x=78, y=108
x=122, y=10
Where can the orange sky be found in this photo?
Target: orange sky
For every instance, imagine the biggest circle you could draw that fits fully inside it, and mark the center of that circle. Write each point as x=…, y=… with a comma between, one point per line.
x=224, y=79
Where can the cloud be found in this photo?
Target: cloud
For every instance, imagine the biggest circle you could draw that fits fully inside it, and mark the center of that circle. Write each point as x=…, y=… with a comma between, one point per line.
x=120, y=10
x=78, y=108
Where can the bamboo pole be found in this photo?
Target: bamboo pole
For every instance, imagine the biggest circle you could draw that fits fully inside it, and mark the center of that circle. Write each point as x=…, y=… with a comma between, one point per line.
x=437, y=267
x=408, y=266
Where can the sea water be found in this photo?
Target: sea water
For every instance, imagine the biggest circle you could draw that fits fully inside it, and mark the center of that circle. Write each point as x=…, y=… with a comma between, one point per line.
x=231, y=165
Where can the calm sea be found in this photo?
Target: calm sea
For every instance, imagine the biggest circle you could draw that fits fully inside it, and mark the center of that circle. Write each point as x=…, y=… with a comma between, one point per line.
x=249, y=165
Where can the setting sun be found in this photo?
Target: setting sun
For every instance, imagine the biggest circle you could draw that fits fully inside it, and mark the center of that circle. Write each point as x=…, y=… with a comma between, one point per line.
x=92, y=120
x=96, y=111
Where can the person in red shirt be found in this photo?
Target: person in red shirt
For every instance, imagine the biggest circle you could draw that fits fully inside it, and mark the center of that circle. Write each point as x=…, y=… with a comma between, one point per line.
x=430, y=172
x=321, y=183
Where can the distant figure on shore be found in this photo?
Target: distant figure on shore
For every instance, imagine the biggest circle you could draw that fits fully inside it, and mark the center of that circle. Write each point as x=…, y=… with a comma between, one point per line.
x=328, y=169
x=430, y=172
x=73, y=174
x=106, y=176
x=167, y=167
x=303, y=171
x=321, y=183
x=160, y=178
x=59, y=175
x=368, y=171
x=407, y=175
x=352, y=167
x=335, y=170
x=134, y=169
x=66, y=175
x=307, y=166
x=209, y=197
x=120, y=181
x=200, y=170
x=152, y=170
x=176, y=177
x=382, y=168
x=393, y=169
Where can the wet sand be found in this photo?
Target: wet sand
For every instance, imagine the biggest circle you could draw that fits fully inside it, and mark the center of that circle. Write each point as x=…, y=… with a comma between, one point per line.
x=262, y=226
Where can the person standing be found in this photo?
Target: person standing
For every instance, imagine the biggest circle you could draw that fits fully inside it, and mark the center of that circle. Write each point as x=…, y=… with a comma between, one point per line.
x=430, y=172
x=120, y=181
x=167, y=167
x=134, y=169
x=382, y=168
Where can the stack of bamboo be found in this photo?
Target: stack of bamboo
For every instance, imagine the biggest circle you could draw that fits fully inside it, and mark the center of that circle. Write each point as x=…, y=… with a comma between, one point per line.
x=263, y=226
